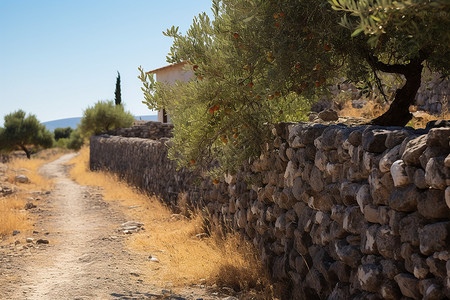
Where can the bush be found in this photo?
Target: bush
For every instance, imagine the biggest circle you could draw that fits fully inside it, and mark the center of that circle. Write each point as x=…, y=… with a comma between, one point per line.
x=62, y=132
x=104, y=116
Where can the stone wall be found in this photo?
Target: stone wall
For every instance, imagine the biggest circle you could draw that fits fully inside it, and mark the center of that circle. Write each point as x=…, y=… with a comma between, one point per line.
x=337, y=212
x=145, y=129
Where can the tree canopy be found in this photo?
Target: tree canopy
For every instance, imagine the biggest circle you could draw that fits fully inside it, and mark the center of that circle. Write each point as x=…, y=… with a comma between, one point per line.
x=22, y=132
x=61, y=133
x=261, y=62
x=104, y=116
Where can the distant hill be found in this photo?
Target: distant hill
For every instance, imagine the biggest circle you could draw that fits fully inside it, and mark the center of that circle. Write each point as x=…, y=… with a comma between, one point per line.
x=73, y=122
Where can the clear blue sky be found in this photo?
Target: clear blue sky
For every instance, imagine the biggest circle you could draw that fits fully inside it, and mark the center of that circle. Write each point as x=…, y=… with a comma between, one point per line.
x=57, y=57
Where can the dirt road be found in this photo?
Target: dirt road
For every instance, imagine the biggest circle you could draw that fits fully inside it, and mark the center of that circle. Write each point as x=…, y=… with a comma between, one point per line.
x=85, y=257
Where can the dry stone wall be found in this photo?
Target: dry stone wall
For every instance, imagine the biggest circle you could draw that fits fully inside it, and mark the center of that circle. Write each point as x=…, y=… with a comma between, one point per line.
x=337, y=212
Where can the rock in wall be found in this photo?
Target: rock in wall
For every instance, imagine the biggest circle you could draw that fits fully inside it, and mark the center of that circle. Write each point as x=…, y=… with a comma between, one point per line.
x=337, y=212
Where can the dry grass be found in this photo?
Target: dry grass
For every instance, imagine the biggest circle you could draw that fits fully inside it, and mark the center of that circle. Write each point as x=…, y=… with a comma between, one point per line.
x=186, y=253
x=29, y=168
x=372, y=110
x=369, y=111
x=12, y=216
x=12, y=213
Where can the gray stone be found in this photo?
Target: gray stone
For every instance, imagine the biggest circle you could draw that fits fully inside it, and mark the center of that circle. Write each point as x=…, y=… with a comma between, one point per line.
x=432, y=152
x=371, y=214
x=316, y=281
x=340, y=292
x=437, y=267
x=29, y=205
x=369, y=276
x=380, y=186
x=348, y=192
x=409, y=228
x=355, y=138
x=368, y=243
x=316, y=180
x=390, y=290
x=405, y=199
x=435, y=173
x=447, y=196
x=21, y=179
x=439, y=137
x=363, y=196
x=406, y=252
x=348, y=254
x=419, y=179
x=373, y=140
x=421, y=268
x=388, y=244
x=340, y=270
x=433, y=206
x=389, y=158
x=433, y=237
x=414, y=149
x=338, y=213
x=431, y=289
x=409, y=286
x=399, y=175
x=396, y=137
x=447, y=161
x=322, y=201
x=353, y=220
x=328, y=115
x=391, y=268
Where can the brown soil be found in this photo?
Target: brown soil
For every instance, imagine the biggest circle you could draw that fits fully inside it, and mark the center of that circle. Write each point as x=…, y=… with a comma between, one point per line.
x=85, y=257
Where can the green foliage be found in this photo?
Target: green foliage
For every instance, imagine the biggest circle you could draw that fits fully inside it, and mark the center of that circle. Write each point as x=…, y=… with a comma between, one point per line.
x=399, y=30
x=117, y=93
x=62, y=132
x=262, y=62
x=104, y=116
x=22, y=132
x=75, y=140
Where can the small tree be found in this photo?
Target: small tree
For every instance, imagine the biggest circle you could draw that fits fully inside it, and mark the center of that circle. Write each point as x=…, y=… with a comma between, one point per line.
x=117, y=93
x=104, y=116
x=61, y=133
x=22, y=132
x=75, y=140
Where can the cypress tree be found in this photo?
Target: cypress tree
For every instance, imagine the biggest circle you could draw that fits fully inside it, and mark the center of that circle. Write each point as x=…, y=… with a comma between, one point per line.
x=117, y=94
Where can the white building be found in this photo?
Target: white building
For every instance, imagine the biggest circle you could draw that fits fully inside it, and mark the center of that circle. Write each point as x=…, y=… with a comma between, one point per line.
x=170, y=74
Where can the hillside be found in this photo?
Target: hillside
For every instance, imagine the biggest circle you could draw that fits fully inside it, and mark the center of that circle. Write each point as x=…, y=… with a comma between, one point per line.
x=73, y=122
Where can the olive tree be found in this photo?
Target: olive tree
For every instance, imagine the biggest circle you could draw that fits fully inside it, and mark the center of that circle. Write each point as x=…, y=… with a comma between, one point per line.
x=23, y=132
x=262, y=62
x=104, y=116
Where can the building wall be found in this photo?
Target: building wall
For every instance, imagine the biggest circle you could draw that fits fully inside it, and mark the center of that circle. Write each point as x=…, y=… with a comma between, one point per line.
x=170, y=75
x=336, y=212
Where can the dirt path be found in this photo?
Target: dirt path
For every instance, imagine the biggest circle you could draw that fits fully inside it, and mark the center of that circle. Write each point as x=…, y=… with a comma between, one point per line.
x=85, y=257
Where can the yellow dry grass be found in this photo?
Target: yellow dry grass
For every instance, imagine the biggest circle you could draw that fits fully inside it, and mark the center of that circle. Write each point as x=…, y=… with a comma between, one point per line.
x=12, y=216
x=372, y=110
x=369, y=111
x=12, y=213
x=186, y=253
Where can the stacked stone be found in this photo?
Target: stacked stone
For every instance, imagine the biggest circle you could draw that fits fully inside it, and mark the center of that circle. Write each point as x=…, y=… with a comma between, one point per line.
x=141, y=162
x=145, y=130
x=338, y=212
x=434, y=94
